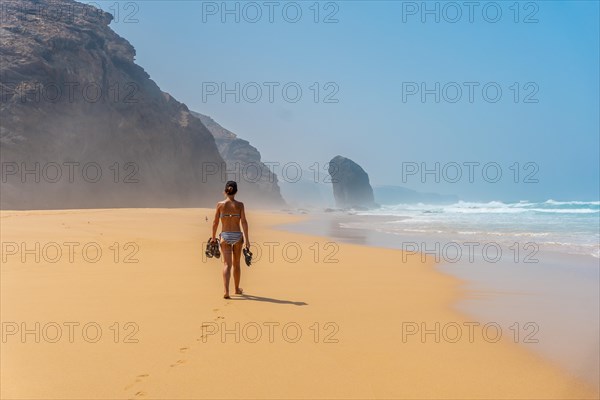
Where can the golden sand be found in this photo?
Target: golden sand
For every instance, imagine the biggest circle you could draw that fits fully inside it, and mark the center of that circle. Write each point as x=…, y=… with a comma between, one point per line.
x=319, y=319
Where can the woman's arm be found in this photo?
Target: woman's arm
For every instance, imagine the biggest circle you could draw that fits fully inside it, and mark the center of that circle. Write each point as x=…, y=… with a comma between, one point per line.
x=215, y=224
x=245, y=225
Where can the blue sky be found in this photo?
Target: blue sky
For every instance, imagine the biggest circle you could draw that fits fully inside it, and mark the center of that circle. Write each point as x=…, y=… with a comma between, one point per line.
x=543, y=56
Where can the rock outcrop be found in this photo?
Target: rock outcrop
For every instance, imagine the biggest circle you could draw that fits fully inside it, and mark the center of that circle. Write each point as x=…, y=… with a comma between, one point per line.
x=351, y=187
x=82, y=125
x=243, y=164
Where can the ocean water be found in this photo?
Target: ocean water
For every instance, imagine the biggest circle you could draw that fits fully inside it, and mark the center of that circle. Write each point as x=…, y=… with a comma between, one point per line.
x=569, y=227
x=550, y=284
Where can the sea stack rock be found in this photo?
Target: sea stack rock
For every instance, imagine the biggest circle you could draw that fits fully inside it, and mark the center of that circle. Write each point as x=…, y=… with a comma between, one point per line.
x=351, y=187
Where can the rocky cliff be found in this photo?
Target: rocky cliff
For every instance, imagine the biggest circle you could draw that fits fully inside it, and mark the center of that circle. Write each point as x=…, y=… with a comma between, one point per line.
x=243, y=164
x=82, y=125
x=351, y=187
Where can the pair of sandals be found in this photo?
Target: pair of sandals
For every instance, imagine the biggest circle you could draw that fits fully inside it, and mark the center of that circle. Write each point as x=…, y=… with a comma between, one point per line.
x=212, y=250
x=247, y=256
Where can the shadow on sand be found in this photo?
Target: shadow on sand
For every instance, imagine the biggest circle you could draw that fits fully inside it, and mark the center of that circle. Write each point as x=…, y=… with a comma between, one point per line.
x=246, y=296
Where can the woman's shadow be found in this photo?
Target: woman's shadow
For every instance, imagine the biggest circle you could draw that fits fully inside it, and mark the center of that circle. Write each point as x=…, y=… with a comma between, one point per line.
x=246, y=296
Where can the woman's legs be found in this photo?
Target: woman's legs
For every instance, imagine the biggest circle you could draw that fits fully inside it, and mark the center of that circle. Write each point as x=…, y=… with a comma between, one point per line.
x=227, y=263
x=231, y=259
x=237, y=271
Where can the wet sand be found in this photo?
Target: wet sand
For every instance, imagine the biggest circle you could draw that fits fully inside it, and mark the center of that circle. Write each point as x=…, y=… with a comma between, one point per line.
x=548, y=302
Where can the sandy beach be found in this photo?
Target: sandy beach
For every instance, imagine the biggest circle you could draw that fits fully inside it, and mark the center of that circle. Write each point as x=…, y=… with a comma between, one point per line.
x=122, y=303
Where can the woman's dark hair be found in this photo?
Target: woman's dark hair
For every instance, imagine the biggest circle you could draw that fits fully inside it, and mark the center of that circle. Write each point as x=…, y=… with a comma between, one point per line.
x=231, y=188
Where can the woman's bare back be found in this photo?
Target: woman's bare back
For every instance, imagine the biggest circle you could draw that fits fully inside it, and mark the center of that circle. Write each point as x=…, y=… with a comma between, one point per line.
x=231, y=215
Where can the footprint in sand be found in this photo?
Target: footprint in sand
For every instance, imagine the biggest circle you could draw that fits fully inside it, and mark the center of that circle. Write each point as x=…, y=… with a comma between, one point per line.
x=215, y=309
x=132, y=384
x=140, y=394
x=183, y=349
x=179, y=362
x=138, y=380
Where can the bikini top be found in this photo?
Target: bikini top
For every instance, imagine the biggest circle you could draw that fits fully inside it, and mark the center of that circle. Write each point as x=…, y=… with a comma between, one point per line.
x=223, y=215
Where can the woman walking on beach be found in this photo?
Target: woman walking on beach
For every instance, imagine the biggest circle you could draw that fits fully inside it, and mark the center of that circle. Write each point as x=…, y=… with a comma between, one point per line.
x=232, y=214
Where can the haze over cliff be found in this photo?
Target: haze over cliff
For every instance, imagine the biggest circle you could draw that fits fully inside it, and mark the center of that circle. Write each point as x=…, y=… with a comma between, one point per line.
x=243, y=164
x=83, y=126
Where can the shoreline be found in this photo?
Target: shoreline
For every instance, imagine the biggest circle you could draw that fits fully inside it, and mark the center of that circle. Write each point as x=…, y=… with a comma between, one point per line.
x=529, y=301
x=173, y=294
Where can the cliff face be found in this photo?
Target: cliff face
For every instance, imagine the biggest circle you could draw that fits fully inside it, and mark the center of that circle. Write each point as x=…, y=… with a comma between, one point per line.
x=81, y=125
x=351, y=187
x=255, y=180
